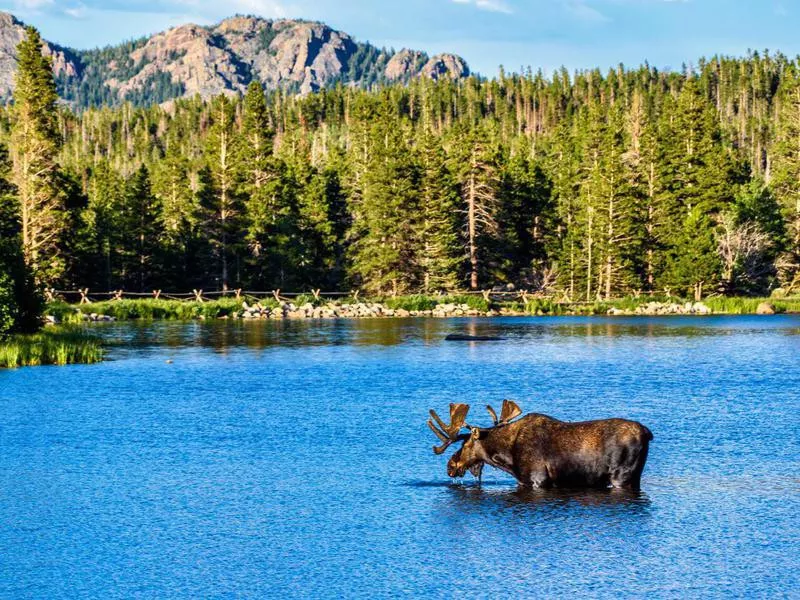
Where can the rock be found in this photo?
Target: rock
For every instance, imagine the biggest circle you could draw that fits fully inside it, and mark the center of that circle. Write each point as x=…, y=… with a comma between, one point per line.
x=765, y=308
x=462, y=337
x=445, y=66
x=50, y=320
x=614, y=312
x=405, y=64
x=402, y=313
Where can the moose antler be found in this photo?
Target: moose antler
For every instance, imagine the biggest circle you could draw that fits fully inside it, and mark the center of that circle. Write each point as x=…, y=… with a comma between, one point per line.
x=509, y=412
x=448, y=434
x=493, y=414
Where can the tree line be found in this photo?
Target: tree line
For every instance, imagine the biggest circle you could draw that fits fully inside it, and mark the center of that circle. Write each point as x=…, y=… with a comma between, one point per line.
x=586, y=185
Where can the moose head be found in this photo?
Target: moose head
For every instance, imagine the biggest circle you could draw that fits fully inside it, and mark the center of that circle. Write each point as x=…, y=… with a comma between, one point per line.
x=471, y=454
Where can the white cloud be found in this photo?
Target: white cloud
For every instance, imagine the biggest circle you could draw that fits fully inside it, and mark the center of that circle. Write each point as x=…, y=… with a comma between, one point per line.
x=489, y=5
x=581, y=10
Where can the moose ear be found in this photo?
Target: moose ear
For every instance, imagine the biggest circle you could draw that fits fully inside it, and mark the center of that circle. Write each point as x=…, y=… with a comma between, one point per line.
x=475, y=433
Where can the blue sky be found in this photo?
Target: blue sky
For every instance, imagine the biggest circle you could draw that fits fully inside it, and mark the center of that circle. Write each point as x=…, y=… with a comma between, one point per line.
x=488, y=33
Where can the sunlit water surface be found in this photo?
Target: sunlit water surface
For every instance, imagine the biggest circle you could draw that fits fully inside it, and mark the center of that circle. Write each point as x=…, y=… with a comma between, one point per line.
x=293, y=460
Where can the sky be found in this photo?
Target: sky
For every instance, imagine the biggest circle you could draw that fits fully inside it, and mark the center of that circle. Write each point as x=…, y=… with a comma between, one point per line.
x=544, y=34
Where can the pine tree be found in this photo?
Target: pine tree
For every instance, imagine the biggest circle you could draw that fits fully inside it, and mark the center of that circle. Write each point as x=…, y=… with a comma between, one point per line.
x=384, y=246
x=477, y=160
x=437, y=224
x=786, y=172
x=142, y=233
x=222, y=159
x=101, y=229
x=35, y=143
x=695, y=266
x=20, y=301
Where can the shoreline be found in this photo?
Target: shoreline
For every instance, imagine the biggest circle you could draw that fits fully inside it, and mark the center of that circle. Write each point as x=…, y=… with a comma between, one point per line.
x=402, y=308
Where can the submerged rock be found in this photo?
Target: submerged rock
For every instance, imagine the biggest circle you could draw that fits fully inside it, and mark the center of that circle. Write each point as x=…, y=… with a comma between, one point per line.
x=462, y=337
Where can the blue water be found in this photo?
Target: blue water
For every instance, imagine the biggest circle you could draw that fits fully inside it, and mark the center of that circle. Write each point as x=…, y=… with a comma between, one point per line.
x=292, y=460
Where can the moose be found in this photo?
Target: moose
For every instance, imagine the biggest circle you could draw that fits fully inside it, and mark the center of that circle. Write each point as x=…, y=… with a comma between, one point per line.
x=543, y=452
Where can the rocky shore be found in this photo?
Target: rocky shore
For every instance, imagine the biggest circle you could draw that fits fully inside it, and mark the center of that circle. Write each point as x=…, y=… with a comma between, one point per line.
x=361, y=310
x=664, y=308
x=286, y=310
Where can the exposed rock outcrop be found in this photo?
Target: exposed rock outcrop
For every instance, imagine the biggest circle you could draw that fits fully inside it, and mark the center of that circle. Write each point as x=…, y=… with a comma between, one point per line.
x=446, y=65
x=405, y=64
x=12, y=33
x=300, y=56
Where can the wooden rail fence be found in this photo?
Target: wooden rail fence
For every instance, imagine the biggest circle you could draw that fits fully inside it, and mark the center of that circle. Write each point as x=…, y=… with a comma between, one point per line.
x=85, y=295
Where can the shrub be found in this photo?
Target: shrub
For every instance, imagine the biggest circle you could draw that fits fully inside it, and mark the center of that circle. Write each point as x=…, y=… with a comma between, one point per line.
x=410, y=303
x=474, y=301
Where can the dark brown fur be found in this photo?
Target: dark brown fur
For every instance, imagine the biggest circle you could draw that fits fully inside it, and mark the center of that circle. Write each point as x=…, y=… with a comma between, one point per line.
x=544, y=452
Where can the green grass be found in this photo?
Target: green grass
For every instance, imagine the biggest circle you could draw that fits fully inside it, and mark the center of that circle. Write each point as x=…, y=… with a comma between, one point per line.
x=64, y=313
x=152, y=309
x=474, y=301
x=748, y=306
x=417, y=302
x=51, y=346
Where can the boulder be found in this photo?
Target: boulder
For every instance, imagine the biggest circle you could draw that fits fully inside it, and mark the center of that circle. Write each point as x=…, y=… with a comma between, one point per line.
x=765, y=308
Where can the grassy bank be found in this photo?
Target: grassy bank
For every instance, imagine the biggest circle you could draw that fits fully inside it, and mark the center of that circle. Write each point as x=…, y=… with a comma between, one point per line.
x=147, y=309
x=749, y=306
x=161, y=309
x=51, y=346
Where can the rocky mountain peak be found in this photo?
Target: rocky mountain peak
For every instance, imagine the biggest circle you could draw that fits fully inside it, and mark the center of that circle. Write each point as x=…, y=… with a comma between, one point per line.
x=296, y=55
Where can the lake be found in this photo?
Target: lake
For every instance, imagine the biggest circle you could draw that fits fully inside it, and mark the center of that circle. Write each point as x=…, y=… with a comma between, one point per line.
x=273, y=459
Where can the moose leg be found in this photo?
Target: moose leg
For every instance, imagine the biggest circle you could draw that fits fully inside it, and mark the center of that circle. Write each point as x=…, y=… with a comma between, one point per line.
x=628, y=472
x=536, y=477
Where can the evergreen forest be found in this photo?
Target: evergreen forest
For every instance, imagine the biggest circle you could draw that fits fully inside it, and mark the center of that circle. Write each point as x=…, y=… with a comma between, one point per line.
x=586, y=185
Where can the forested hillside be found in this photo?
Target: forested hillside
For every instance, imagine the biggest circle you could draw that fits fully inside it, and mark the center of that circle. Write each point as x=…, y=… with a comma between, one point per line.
x=594, y=184
x=288, y=54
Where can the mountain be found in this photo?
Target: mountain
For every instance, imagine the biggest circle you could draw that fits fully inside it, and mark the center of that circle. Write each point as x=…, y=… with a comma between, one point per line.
x=294, y=55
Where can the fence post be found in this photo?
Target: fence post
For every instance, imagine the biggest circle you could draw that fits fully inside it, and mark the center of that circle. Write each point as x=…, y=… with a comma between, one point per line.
x=84, y=295
x=198, y=295
x=487, y=295
x=525, y=297
x=49, y=294
x=355, y=295
x=239, y=294
x=277, y=294
x=156, y=294
x=118, y=295
x=316, y=294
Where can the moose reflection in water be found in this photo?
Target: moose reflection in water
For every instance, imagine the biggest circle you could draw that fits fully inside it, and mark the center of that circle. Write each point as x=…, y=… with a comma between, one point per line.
x=542, y=452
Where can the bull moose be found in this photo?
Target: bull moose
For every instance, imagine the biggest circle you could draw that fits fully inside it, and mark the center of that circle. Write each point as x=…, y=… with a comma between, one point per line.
x=540, y=451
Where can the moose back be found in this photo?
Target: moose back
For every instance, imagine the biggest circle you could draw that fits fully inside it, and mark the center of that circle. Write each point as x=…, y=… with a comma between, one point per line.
x=540, y=451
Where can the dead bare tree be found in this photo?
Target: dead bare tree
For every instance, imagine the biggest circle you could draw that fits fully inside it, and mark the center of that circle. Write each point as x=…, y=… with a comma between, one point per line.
x=743, y=248
x=480, y=196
